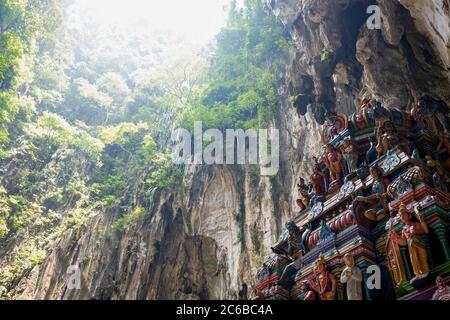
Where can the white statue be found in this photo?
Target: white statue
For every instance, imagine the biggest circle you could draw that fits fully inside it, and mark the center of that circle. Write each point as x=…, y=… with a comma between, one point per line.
x=352, y=276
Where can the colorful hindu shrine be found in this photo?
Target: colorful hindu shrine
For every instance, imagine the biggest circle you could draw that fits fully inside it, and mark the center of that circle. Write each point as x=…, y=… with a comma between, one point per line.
x=373, y=220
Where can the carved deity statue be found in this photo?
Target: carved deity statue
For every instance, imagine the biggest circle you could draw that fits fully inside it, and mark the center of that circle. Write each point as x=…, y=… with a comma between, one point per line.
x=388, y=139
x=323, y=281
x=333, y=160
x=350, y=153
x=317, y=180
x=352, y=276
x=303, y=201
x=335, y=124
x=360, y=118
x=374, y=206
x=411, y=237
x=290, y=247
x=424, y=116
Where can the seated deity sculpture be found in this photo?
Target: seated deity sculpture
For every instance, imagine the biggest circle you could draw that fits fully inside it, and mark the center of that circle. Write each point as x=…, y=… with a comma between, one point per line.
x=374, y=206
x=388, y=139
x=290, y=247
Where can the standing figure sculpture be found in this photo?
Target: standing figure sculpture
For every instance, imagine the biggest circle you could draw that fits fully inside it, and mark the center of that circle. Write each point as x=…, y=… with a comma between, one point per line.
x=323, y=281
x=352, y=276
x=333, y=161
x=318, y=182
x=411, y=237
x=303, y=201
x=350, y=153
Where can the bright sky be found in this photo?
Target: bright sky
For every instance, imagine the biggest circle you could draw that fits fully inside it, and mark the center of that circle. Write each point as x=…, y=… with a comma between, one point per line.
x=198, y=21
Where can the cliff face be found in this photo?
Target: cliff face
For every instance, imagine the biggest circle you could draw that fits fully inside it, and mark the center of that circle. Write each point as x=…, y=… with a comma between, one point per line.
x=207, y=238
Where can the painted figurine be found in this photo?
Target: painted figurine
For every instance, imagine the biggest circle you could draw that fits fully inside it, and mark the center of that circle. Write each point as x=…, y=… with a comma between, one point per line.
x=411, y=237
x=306, y=293
x=303, y=201
x=360, y=118
x=318, y=182
x=374, y=206
x=388, y=139
x=333, y=161
x=294, y=249
x=350, y=154
x=323, y=281
x=333, y=126
x=352, y=276
x=424, y=116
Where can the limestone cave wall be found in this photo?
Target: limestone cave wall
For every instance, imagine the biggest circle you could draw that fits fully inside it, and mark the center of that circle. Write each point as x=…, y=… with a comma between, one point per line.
x=204, y=240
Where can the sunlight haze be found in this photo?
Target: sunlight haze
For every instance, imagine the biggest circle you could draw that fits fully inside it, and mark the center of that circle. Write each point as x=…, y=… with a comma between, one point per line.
x=198, y=21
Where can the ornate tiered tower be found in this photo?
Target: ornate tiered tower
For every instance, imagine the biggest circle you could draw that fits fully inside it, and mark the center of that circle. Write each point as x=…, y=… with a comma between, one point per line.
x=379, y=194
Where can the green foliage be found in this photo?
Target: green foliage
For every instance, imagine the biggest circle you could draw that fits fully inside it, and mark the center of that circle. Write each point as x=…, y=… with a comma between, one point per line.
x=53, y=199
x=241, y=88
x=4, y=230
x=166, y=174
x=51, y=132
x=254, y=173
x=237, y=216
x=324, y=55
x=85, y=118
x=22, y=22
x=129, y=219
x=111, y=189
x=122, y=133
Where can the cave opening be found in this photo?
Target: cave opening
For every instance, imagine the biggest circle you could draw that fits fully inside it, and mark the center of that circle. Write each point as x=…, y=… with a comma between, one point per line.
x=353, y=18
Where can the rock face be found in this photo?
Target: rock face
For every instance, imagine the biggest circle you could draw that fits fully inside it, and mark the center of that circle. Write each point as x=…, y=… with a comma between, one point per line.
x=206, y=239
x=337, y=54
